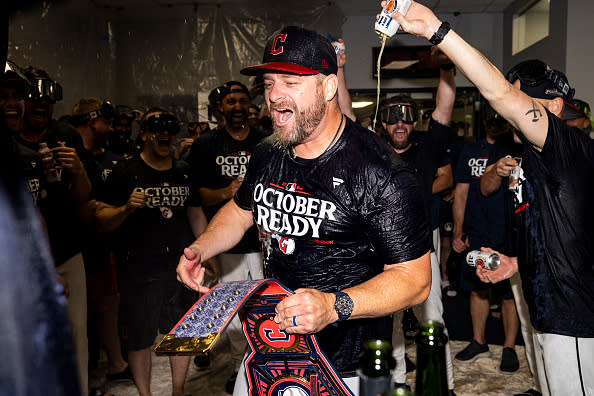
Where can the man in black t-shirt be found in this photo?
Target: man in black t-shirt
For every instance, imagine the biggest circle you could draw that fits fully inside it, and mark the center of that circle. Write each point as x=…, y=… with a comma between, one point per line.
x=556, y=236
x=423, y=151
x=145, y=204
x=340, y=217
x=218, y=163
x=62, y=193
x=93, y=119
x=551, y=260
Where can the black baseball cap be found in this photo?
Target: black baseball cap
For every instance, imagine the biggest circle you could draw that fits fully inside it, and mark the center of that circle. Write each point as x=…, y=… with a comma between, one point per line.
x=296, y=50
x=539, y=80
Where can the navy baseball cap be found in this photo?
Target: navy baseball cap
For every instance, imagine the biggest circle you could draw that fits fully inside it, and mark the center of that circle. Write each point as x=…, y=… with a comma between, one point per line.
x=539, y=80
x=296, y=50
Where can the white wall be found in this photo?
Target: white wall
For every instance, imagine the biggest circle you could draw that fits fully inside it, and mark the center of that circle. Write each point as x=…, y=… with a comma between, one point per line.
x=484, y=31
x=580, y=54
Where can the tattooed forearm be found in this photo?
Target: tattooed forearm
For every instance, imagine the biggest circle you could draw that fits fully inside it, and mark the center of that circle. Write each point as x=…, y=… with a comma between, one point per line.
x=536, y=113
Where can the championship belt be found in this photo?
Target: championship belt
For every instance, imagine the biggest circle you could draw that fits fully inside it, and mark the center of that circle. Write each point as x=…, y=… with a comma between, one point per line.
x=279, y=364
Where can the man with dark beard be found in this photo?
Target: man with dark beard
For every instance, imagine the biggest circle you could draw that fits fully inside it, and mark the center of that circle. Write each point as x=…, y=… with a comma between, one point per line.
x=340, y=218
x=218, y=162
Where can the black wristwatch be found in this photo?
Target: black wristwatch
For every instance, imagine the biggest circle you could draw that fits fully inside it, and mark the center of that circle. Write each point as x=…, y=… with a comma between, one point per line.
x=343, y=306
x=440, y=34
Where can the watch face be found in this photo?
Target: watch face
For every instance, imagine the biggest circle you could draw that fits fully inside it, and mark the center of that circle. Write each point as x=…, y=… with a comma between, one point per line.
x=343, y=306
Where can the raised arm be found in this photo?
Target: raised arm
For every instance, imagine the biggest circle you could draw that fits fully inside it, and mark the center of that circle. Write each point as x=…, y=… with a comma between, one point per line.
x=524, y=113
x=344, y=97
x=446, y=89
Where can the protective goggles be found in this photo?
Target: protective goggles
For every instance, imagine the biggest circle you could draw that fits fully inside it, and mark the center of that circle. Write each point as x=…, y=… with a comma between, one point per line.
x=43, y=88
x=106, y=111
x=399, y=112
x=535, y=73
x=162, y=122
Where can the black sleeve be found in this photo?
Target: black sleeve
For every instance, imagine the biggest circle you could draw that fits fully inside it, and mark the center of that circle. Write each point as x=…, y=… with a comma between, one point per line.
x=396, y=219
x=438, y=134
x=118, y=185
x=262, y=152
x=197, y=167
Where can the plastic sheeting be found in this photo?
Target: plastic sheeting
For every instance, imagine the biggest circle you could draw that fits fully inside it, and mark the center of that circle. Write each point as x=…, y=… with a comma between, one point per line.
x=141, y=53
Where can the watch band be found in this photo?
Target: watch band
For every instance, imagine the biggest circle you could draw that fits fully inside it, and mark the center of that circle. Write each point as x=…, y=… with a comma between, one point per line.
x=278, y=361
x=440, y=34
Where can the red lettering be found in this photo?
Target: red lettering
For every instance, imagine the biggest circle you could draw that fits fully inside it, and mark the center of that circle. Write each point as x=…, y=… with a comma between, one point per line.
x=279, y=37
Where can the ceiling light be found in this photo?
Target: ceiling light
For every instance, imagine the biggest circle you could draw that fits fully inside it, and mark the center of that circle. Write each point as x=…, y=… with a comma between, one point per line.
x=361, y=104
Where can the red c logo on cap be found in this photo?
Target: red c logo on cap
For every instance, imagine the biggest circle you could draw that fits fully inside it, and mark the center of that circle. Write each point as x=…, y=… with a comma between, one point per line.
x=279, y=37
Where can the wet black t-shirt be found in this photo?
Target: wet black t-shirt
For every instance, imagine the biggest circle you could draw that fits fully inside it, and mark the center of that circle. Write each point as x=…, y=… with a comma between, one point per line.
x=332, y=222
x=151, y=239
x=556, y=218
x=216, y=159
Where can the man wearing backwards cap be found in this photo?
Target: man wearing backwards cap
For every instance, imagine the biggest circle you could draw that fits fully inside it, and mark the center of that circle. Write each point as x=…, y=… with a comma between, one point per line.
x=556, y=214
x=340, y=217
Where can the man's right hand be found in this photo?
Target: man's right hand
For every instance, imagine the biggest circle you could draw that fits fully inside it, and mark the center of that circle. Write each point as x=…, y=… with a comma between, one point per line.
x=460, y=243
x=233, y=187
x=136, y=200
x=504, y=166
x=190, y=271
x=419, y=20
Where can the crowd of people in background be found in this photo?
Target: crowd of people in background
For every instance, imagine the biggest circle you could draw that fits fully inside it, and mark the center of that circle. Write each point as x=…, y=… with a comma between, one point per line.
x=123, y=191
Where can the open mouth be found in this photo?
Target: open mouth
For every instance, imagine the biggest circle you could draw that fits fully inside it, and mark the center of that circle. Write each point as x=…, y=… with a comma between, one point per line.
x=36, y=112
x=163, y=141
x=282, y=115
x=11, y=114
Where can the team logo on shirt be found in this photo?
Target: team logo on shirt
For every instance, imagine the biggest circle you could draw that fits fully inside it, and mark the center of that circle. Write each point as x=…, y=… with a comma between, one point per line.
x=286, y=245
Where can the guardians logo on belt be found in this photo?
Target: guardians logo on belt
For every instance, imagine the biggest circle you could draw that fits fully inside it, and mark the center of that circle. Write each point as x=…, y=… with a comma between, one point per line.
x=279, y=364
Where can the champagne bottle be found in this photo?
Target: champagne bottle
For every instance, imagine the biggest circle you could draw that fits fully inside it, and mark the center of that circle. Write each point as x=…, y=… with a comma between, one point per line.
x=375, y=366
x=431, y=364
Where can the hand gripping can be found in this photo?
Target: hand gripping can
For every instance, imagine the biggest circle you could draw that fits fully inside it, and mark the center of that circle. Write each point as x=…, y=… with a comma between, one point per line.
x=476, y=258
x=385, y=24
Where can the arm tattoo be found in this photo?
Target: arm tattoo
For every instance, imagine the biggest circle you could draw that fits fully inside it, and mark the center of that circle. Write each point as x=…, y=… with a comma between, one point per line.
x=534, y=111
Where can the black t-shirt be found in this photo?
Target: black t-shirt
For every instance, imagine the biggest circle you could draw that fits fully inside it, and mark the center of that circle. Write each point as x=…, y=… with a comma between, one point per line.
x=216, y=159
x=332, y=222
x=151, y=239
x=425, y=155
x=54, y=198
x=95, y=247
x=556, y=235
x=484, y=217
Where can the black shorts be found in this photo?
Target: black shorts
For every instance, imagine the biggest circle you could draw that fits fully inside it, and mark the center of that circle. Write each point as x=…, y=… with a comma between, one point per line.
x=149, y=305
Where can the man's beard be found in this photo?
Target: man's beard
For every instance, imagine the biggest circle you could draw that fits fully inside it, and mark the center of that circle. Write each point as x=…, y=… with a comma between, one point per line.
x=401, y=144
x=306, y=121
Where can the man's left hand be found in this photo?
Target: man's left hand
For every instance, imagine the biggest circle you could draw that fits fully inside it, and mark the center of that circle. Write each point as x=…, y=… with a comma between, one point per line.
x=507, y=267
x=313, y=310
